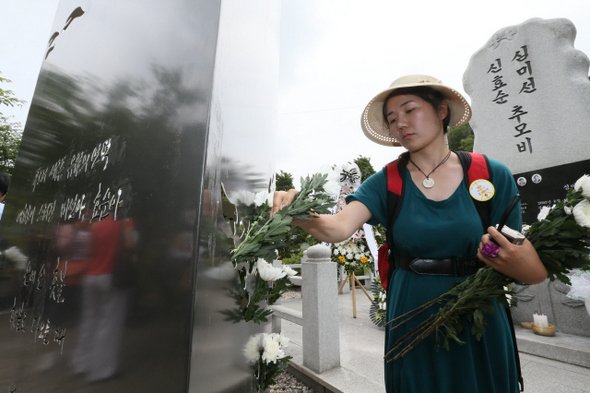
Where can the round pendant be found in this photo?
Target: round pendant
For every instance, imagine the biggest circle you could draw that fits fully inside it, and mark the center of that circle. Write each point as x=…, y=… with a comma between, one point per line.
x=428, y=183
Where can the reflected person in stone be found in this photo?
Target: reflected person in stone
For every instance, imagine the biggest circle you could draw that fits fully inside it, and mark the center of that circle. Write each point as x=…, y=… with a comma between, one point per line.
x=438, y=222
x=72, y=245
x=104, y=304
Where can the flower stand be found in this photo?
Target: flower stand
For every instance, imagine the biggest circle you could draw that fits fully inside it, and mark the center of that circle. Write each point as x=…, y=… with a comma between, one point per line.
x=352, y=279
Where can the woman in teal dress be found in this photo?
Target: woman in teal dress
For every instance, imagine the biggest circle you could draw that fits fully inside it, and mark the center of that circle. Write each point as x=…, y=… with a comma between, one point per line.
x=438, y=220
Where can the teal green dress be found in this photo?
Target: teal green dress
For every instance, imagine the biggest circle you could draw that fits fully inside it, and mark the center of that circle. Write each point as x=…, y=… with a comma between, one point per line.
x=442, y=229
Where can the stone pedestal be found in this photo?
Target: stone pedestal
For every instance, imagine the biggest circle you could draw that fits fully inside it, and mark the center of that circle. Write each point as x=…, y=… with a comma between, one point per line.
x=320, y=309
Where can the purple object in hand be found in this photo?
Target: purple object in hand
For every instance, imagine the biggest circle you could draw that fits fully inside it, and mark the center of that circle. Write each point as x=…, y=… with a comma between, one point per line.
x=490, y=250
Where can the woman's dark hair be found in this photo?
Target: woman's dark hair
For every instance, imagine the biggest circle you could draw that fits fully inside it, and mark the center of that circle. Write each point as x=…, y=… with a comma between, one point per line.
x=428, y=94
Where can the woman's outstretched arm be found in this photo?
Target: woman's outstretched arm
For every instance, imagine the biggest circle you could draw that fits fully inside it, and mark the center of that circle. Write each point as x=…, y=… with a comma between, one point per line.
x=327, y=227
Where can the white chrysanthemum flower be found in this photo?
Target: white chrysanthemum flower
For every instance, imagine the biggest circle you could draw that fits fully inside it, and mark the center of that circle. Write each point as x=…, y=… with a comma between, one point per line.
x=584, y=184
x=349, y=256
x=272, y=350
x=332, y=187
x=282, y=340
x=357, y=257
x=289, y=271
x=261, y=264
x=582, y=213
x=580, y=286
x=253, y=348
x=336, y=251
x=543, y=213
x=268, y=272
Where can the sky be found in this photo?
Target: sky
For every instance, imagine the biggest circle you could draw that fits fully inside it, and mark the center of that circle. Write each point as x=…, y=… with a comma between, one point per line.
x=335, y=56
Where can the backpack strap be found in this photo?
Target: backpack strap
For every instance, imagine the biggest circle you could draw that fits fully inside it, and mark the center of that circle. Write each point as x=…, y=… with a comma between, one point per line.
x=395, y=175
x=475, y=167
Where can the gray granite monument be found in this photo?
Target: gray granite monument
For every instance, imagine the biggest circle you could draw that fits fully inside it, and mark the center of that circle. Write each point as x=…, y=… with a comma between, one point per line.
x=530, y=96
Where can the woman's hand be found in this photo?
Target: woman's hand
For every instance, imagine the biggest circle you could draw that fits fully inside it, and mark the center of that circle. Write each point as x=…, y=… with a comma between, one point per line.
x=519, y=262
x=282, y=199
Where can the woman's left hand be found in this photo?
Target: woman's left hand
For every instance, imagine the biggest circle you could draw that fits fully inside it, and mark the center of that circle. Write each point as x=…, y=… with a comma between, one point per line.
x=519, y=262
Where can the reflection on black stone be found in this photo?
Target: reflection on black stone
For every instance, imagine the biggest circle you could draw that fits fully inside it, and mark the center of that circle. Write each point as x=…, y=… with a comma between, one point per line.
x=52, y=38
x=105, y=292
x=95, y=185
x=78, y=12
x=113, y=160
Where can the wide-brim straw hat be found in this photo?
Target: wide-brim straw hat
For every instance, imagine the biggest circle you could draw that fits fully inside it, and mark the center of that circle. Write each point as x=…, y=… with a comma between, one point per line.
x=374, y=125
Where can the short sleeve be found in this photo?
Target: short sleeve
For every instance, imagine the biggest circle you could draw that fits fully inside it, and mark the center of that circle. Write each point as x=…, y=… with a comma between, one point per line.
x=373, y=194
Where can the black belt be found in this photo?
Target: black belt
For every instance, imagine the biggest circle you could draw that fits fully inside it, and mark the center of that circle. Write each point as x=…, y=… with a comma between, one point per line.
x=439, y=267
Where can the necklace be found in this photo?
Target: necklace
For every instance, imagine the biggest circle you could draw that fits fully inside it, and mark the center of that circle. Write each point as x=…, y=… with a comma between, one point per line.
x=428, y=182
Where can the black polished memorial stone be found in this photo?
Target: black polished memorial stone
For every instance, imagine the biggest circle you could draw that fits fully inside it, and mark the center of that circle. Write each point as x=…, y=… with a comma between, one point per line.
x=547, y=186
x=116, y=165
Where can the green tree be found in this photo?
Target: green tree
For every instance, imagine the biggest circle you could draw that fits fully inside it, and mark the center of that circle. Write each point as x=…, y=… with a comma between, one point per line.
x=284, y=181
x=461, y=138
x=10, y=136
x=10, y=132
x=364, y=164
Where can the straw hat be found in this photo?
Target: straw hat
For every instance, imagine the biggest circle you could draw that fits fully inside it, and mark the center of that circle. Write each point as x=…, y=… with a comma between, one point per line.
x=374, y=125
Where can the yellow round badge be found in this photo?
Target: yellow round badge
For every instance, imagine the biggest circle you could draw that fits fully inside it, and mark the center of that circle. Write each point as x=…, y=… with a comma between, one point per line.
x=482, y=190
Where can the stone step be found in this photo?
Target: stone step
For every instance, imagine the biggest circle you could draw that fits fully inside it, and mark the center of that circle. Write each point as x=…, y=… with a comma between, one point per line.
x=561, y=347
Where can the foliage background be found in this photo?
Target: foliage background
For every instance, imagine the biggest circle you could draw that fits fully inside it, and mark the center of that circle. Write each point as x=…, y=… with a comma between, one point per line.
x=461, y=138
x=10, y=132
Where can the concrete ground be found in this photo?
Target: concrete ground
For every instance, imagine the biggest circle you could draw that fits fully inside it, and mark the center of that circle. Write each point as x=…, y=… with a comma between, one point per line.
x=559, y=364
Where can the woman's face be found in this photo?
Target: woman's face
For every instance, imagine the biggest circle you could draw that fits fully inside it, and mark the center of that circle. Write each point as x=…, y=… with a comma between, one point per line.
x=414, y=122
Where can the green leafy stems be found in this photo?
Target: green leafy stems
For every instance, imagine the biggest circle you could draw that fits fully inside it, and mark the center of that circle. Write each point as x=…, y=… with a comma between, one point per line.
x=471, y=298
x=560, y=242
x=267, y=235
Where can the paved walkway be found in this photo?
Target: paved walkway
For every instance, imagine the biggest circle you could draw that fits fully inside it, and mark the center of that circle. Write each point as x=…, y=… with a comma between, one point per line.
x=361, y=354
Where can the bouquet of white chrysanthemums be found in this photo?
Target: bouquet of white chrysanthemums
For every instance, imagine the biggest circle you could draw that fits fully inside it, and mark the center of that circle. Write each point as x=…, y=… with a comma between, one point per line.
x=265, y=235
x=265, y=352
x=353, y=255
